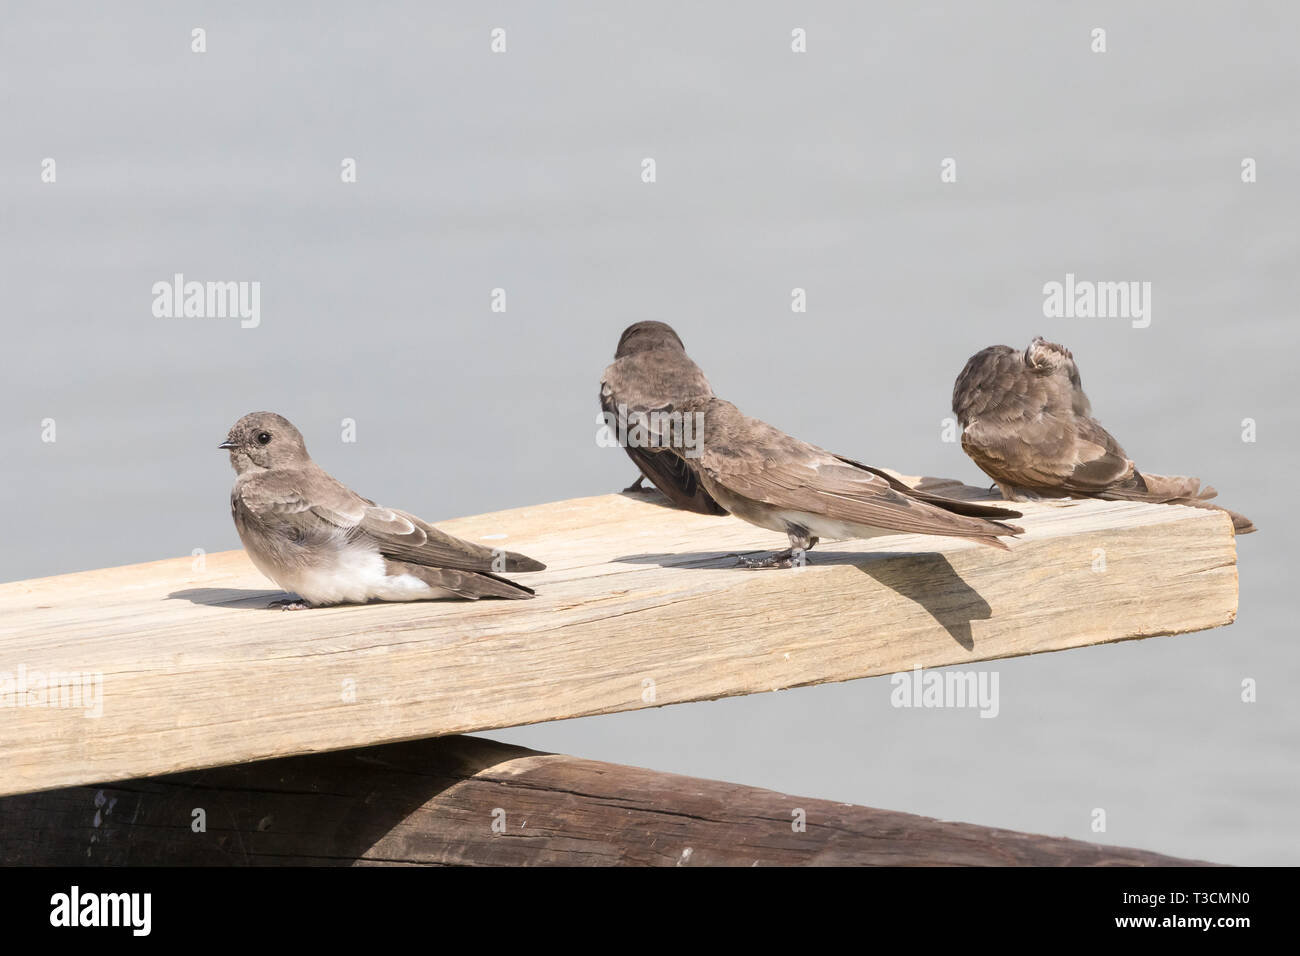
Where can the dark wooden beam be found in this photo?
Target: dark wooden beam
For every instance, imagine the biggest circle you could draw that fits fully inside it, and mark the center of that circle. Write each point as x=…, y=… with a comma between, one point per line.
x=470, y=801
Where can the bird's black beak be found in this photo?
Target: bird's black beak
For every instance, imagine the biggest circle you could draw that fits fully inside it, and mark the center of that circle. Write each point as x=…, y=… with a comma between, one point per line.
x=227, y=444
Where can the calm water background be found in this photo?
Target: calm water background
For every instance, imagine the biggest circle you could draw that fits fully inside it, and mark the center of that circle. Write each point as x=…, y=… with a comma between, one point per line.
x=775, y=171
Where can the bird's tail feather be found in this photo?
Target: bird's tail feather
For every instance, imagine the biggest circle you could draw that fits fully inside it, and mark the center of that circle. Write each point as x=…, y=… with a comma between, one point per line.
x=1240, y=523
x=522, y=562
x=970, y=509
x=1175, y=490
x=1159, y=488
x=470, y=585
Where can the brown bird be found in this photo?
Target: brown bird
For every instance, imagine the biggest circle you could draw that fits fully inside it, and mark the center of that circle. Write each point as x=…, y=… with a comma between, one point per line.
x=651, y=374
x=775, y=481
x=316, y=538
x=1028, y=424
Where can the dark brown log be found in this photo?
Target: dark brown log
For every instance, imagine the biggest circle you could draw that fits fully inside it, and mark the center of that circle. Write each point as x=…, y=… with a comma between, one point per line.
x=435, y=802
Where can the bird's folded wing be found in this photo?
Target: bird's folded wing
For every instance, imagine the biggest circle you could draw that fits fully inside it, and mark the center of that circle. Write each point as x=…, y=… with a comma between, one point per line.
x=1047, y=451
x=1099, y=461
x=667, y=471
x=673, y=476
x=974, y=509
x=821, y=484
x=333, y=507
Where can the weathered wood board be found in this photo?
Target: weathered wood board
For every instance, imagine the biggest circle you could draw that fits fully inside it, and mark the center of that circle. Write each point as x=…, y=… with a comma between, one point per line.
x=641, y=605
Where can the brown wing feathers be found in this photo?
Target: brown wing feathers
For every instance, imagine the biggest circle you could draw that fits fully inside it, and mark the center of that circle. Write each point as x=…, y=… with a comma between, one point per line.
x=1027, y=423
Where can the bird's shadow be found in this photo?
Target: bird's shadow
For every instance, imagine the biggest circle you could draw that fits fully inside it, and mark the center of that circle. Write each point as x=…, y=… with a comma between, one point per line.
x=228, y=597
x=650, y=496
x=262, y=600
x=929, y=580
x=923, y=577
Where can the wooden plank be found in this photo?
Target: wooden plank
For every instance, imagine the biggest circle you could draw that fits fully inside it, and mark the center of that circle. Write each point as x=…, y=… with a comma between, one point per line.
x=197, y=673
x=470, y=801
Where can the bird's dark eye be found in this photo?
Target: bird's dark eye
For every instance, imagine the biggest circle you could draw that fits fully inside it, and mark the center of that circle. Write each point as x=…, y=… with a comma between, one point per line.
x=263, y=438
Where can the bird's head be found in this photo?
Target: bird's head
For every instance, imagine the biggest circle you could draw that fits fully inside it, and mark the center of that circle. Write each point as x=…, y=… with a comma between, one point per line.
x=645, y=336
x=264, y=440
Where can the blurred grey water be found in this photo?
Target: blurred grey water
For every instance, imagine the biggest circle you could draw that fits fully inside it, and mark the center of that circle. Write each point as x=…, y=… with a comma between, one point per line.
x=775, y=170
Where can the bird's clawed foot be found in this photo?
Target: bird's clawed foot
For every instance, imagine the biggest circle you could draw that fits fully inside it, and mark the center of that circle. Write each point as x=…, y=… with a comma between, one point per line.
x=636, y=485
x=287, y=604
x=778, y=559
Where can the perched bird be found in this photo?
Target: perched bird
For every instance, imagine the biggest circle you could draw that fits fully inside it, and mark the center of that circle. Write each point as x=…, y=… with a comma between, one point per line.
x=652, y=373
x=778, y=482
x=317, y=538
x=1028, y=424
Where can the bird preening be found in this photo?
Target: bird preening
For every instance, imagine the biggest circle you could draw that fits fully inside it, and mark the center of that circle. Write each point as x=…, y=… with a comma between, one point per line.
x=1028, y=425
x=1025, y=418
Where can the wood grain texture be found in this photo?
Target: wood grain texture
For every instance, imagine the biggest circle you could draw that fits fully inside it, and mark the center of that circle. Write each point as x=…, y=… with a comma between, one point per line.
x=435, y=802
x=196, y=672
